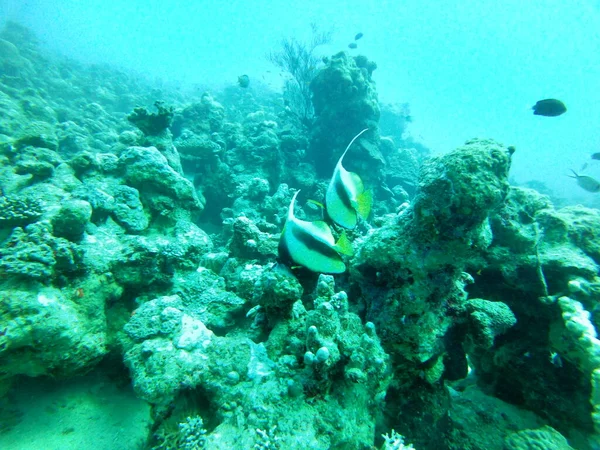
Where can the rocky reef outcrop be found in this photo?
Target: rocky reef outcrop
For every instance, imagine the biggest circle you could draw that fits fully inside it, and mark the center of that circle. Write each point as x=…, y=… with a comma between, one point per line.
x=275, y=386
x=411, y=276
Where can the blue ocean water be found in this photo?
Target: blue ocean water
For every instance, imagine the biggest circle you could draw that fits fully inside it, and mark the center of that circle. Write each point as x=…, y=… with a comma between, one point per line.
x=466, y=68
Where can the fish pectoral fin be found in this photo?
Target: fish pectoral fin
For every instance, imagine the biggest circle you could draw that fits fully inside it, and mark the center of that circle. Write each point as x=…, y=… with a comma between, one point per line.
x=344, y=246
x=364, y=203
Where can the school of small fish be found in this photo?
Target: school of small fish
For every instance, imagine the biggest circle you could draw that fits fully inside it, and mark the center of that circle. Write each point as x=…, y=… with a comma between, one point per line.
x=353, y=45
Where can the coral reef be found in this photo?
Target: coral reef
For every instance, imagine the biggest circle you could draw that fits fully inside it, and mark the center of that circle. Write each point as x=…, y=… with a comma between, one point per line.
x=33, y=253
x=190, y=435
x=395, y=441
x=152, y=123
x=51, y=331
x=412, y=269
x=546, y=437
x=345, y=102
x=147, y=243
x=543, y=265
x=15, y=211
x=170, y=350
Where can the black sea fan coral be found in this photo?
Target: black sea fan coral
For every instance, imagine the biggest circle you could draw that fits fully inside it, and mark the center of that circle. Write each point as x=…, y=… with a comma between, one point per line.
x=299, y=61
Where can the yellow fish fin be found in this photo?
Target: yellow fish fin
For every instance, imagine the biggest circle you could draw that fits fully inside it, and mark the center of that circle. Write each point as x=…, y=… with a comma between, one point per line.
x=314, y=202
x=364, y=203
x=344, y=246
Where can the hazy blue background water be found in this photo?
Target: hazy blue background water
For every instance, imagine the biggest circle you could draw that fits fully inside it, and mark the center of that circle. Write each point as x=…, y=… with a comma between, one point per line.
x=469, y=68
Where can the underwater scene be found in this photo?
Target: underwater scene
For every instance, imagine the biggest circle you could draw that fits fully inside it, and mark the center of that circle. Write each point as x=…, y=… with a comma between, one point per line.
x=320, y=225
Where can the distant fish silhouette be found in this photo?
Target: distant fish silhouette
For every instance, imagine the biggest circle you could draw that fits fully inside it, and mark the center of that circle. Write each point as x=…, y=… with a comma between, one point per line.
x=588, y=183
x=549, y=107
x=244, y=81
x=352, y=45
x=358, y=36
x=596, y=155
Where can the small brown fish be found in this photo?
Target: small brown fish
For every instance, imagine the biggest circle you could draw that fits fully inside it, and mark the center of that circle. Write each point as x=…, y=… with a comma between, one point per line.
x=596, y=155
x=358, y=36
x=549, y=107
x=352, y=45
x=588, y=183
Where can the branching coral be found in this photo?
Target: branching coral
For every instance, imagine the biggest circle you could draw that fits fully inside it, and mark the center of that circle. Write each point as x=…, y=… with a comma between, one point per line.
x=189, y=435
x=395, y=441
x=299, y=61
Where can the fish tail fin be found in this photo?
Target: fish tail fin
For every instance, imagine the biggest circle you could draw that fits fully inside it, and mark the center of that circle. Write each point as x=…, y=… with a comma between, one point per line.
x=574, y=174
x=343, y=245
x=350, y=145
x=291, y=208
x=364, y=203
